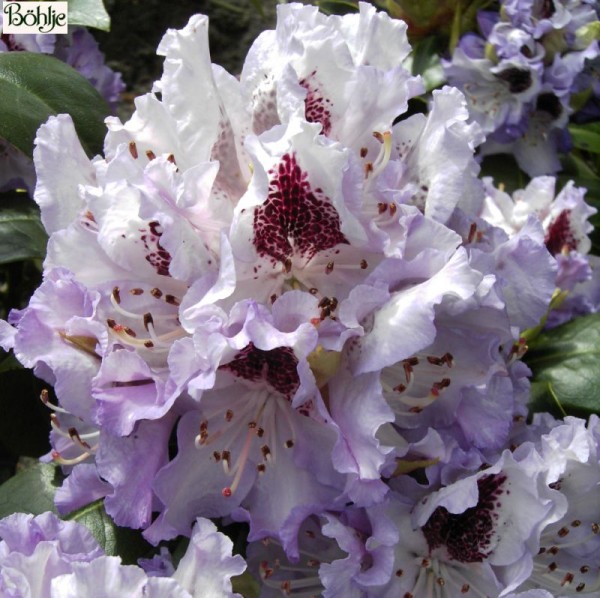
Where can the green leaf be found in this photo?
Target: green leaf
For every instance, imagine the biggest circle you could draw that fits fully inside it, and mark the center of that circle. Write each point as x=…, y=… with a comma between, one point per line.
x=426, y=61
x=30, y=491
x=36, y=86
x=116, y=541
x=503, y=168
x=89, y=13
x=586, y=137
x=22, y=235
x=245, y=585
x=337, y=7
x=566, y=374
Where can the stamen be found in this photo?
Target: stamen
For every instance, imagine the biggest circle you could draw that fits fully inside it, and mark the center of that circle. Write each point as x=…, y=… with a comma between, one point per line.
x=385, y=153
x=133, y=150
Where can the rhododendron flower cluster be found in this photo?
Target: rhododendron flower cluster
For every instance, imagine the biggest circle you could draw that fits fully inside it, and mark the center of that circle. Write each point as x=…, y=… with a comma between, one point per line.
x=523, y=73
x=311, y=292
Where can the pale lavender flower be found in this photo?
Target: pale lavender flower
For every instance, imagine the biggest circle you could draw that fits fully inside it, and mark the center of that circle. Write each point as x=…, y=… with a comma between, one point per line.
x=519, y=77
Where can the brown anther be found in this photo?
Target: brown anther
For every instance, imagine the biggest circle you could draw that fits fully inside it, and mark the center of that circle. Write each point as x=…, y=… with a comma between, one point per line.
x=334, y=303
x=399, y=572
x=289, y=443
x=286, y=587
x=363, y=152
x=260, y=432
x=382, y=207
x=408, y=370
x=425, y=563
x=580, y=587
x=148, y=320
x=203, y=426
x=465, y=588
x=116, y=293
x=44, y=395
x=156, y=293
x=415, y=409
x=378, y=136
x=584, y=569
x=273, y=298
x=444, y=383
x=172, y=300
x=313, y=291
x=136, y=291
x=329, y=268
x=54, y=420
x=440, y=582
x=393, y=208
x=226, y=456
x=553, y=550
x=151, y=155
x=412, y=361
x=128, y=331
x=552, y=567
x=111, y=323
x=325, y=313
x=562, y=532
x=74, y=435
x=364, y=264
x=133, y=150
x=448, y=359
x=567, y=579
x=595, y=528
x=324, y=302
x=171, y=158
x=399, y=388
x=252, y=425
x=287, y=265
x=148, y=344
x=368, y=168
x=266, y=451
x=313, y=563
x=228, y=415
x=261, y=468
x=575, y=523
x=217, y=456
x=472, y=231
x=433, y=360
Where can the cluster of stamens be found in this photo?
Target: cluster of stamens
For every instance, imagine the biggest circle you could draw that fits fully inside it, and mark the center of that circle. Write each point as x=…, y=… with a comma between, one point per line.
x=554, y=573
x=80, y=441
x=154, y=340
x=402, y=390
x=300, y=580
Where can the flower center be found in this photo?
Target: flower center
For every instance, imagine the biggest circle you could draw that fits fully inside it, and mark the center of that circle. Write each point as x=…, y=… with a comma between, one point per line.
x=559, y=237
x=467, y=536
x=295, y=219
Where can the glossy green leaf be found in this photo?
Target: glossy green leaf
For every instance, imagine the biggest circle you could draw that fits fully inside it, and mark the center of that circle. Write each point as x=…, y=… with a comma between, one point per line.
x=30, y=491
x=36, y=86
x=22, y=235
x=115, y=541
x=503, y=168
x=426, y=61
x=586, y=137
x=89, y=13
x=566, y=368
x=337, y=7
